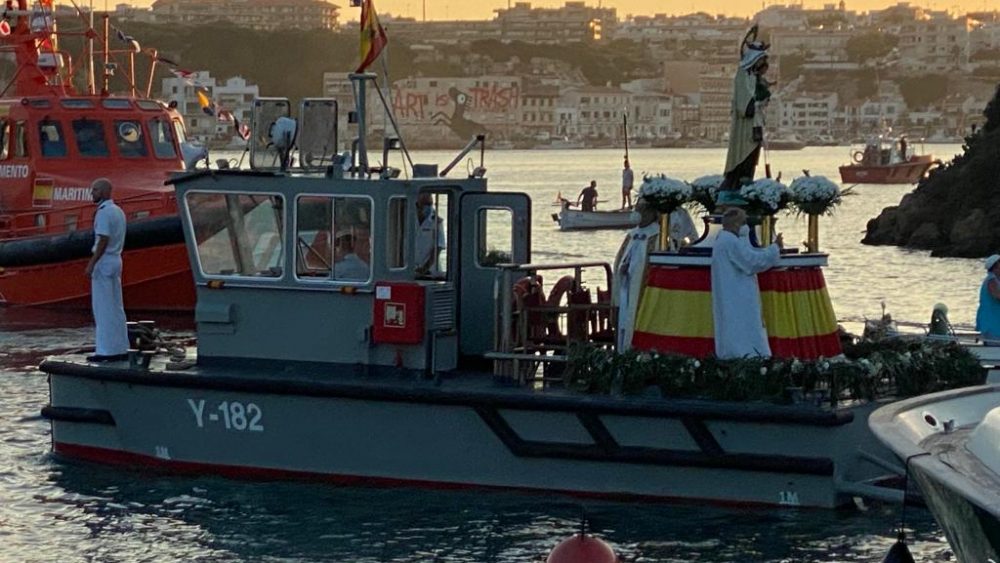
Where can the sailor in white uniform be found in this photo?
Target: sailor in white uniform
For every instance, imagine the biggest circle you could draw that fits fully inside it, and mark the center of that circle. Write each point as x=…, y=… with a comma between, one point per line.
x=736, y=309
x=105, y=272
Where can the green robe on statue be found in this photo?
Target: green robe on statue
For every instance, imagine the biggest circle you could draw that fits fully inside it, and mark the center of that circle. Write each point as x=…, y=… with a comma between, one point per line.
x=741, y=143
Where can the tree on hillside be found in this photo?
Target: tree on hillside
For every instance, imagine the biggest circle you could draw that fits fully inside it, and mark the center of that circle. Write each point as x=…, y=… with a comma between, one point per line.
x=922, y=91
x=870, y=46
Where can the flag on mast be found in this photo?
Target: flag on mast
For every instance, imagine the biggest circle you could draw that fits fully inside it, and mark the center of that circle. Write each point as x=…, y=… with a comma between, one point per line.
x=373, y=38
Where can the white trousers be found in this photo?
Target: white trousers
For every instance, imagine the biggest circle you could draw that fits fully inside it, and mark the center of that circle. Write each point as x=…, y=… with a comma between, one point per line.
x=109, y=312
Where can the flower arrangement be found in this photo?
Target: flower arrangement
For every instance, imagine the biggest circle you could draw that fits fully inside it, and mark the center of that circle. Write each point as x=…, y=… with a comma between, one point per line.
x=664, y=194
x=815, y=195
x=705, y=190
x=765, y=196
x=866, y=371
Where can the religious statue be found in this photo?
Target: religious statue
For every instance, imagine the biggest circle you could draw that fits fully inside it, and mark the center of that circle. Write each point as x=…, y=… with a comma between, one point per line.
x=751, y=95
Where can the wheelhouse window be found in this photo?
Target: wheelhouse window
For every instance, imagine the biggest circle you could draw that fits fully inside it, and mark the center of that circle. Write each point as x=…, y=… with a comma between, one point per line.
x=21, y=139
x=4, y=139
x=396, y=234
x=494, y=236
x=129, y=138
x=162, y=136
x=50, y=138
x=431, y=244
x=237, y=234
x=90, y=139
x=333, y=238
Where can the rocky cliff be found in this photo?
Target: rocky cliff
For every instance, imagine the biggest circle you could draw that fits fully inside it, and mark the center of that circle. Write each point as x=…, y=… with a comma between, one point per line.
x=955, y=211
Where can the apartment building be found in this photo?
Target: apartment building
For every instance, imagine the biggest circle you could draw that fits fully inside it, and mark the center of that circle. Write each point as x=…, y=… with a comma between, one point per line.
x=265, y=15
x=573, y=22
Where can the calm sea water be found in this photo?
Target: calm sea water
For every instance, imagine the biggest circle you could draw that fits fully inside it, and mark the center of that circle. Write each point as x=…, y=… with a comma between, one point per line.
x=56, y=510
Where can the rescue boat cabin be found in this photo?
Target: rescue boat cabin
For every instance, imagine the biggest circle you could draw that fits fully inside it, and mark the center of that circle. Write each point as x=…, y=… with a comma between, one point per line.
x=53, y=147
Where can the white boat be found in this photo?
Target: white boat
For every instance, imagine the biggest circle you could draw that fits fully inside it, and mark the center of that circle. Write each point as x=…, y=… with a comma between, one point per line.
x=950, y=445
x=572, y=219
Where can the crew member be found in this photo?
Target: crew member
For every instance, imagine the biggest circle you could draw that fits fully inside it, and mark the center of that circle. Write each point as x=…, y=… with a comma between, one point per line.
x=430, y=237
x=105, y=272
x=628, y=180
x=588, y=197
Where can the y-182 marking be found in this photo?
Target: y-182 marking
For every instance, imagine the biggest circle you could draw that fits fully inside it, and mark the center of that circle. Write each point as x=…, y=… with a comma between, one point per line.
x=233, y=414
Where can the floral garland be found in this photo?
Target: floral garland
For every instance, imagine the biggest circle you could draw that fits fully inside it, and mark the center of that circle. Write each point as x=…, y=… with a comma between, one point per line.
x=816, y=195
x=765, y=196
x=866, y=371
x=705, y=191
x=664, y=194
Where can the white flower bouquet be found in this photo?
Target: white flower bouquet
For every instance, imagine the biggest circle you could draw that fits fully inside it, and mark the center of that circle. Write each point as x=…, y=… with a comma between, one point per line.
x=815, y=195
x=705, y=191
x=765, y=196
x=664, y=194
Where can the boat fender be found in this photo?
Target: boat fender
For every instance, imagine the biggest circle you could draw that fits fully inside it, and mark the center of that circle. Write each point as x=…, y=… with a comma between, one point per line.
x=858, y=156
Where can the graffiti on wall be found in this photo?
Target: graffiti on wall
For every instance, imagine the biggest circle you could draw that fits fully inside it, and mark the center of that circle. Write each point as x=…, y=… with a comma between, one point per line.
x=466, y=110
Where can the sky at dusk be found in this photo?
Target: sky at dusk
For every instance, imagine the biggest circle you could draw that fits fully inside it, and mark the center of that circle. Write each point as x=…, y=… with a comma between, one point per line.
x=483, y=9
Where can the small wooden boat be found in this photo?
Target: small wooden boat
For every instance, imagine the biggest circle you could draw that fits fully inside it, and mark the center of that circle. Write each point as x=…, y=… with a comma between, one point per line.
x=572, y=219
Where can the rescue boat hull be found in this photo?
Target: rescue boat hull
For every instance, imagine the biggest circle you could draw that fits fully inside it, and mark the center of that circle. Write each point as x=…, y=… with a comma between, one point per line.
x=909, y=172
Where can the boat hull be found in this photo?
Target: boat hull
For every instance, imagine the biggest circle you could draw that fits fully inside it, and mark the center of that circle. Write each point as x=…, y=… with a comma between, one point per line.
x=933, y=435
x=572, y=220
x=387, y=430
x=901, y=173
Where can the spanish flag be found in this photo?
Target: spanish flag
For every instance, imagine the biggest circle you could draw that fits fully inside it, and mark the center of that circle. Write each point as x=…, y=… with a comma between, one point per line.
x=373, y=38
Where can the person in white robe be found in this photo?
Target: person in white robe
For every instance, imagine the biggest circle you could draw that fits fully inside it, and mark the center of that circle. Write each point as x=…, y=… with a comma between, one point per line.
x=105, y=272
x=736, y=308
x=630, y=269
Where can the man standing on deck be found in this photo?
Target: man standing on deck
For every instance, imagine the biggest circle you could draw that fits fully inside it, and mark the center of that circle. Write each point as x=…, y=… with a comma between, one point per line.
x=736, y=309
x=105, y=273
x=628, y=180
x=588, y=197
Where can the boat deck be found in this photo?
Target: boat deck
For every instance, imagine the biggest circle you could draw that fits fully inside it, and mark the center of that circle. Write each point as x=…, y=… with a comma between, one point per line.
x=469, y=388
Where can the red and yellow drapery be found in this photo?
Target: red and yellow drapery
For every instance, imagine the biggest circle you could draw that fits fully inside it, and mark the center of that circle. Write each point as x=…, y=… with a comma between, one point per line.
x=675, y=312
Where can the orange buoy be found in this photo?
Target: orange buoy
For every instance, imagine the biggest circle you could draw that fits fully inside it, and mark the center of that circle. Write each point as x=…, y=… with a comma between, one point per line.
x=582, y=548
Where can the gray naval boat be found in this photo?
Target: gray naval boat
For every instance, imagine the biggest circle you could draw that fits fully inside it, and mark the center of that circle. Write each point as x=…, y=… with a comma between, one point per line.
x=329, y=348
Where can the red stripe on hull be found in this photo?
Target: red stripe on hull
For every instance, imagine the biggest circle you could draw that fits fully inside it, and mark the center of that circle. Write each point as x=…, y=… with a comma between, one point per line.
x=153, y=279
x=128, y=459
x=894, y=174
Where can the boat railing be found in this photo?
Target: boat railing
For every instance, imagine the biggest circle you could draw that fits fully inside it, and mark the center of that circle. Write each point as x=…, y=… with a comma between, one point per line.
x=537, y=324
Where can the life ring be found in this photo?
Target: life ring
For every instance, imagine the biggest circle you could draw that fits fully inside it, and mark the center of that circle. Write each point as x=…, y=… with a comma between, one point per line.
x=858, y=156
x=527, y=292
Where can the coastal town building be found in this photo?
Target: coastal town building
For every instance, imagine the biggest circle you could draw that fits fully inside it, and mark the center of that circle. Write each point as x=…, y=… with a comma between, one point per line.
x=573, y=22
x=235, y=96
x=265, y=15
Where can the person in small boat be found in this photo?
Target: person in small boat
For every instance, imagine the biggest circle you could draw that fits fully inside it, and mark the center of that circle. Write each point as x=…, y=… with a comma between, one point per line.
x=105, y=272
x=347, y=265
x=430, y=237
x=630, y=268
x=587, y=200
x=902, y=148
x=736, y=308
x=628, y=180
x=988, y=315
x=751, y=95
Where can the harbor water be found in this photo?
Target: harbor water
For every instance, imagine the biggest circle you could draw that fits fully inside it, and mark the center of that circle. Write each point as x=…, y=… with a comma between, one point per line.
x=52, y=509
